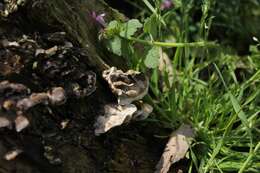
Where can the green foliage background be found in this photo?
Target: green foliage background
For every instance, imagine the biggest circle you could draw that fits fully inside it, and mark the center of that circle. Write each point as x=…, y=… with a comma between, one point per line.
x=212, y=81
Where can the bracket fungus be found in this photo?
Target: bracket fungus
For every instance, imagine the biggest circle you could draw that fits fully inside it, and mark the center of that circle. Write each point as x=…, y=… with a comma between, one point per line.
x=11, y=155
x=52, y=65
x=4, y=122
x=129, y=87
x=10, y=6
x=21, y=122
x=18, y=98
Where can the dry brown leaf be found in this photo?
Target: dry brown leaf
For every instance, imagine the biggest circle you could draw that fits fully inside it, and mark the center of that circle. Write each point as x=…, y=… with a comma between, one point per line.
x=115, y=115
x=175, y=149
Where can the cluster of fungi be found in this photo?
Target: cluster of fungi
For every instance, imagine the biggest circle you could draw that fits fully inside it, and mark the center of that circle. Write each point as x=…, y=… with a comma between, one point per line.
x=40, y=70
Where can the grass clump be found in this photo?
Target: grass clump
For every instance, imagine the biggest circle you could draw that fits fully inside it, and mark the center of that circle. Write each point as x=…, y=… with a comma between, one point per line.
x=207, y=81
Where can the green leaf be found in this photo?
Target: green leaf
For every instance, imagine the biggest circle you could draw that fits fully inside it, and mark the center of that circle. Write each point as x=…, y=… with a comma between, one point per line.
x=253, y=49
x=115, y=45
x=112, y=32
x=112, y=25
x=130, y=28
x=126, y=49
x=113, y=28
x=239, y=110
x=150, y=25
x=177, y=3
x=152, y=57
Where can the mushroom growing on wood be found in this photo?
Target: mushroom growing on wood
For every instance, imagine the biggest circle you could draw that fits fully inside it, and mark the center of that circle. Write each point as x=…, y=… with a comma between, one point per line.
x=129, y=86
x=51, y=64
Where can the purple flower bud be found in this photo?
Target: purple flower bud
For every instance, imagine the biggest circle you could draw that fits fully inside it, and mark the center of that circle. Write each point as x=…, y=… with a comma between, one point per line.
x=99, y=18
x=166, y=4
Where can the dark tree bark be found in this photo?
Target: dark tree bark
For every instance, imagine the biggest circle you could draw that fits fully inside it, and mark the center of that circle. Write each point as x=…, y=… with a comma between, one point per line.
x=46, y=59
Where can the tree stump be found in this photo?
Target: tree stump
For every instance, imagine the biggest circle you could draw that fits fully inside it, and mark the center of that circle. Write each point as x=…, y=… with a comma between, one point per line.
x=50, y=66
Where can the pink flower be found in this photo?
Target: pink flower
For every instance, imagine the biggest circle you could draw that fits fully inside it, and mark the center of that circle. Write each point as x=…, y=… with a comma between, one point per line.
x=166, y=4
x=99, y=18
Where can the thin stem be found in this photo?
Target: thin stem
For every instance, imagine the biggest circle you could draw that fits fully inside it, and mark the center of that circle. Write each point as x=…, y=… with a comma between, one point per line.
x=147, y=3
x=171, y=44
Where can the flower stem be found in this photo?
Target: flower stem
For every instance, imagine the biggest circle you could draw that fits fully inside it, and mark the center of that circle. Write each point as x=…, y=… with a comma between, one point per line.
x=171, y=44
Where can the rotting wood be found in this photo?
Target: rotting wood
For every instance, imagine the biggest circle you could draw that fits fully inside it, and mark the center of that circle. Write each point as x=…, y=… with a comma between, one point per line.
x=46, y=145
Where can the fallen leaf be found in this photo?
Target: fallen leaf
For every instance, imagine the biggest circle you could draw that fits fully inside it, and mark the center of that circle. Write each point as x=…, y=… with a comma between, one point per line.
x=175, y=149
x=115, y=115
